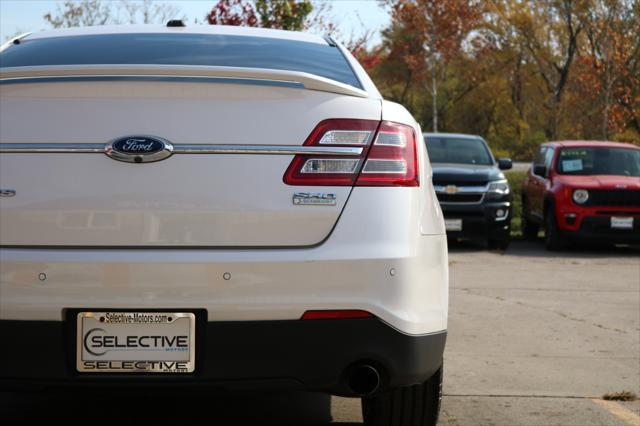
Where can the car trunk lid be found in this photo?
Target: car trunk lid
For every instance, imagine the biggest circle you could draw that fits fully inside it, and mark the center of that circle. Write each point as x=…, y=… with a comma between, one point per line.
x=233, y=198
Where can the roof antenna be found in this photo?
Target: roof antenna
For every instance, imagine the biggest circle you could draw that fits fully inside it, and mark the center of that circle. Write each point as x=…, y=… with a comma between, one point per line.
x=330, y=41
x=176, y=23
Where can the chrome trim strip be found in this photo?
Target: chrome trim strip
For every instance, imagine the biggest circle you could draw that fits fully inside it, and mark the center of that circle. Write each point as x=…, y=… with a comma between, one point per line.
x=463, y=203
x=92, y=148
x=52, y=148
x=463, y=189
x=265, y=149
x=153, y=78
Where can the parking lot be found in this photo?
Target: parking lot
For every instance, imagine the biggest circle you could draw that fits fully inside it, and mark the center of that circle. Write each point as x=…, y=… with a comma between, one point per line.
x=535, y=338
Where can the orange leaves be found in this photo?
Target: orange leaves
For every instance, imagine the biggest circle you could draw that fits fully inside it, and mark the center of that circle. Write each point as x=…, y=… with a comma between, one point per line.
x=282, y=14
x=439, y=26
x=233, y=12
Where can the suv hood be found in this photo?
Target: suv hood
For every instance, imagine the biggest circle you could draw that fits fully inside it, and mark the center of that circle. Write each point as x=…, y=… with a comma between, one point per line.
x=600, y=181
x=450, y=173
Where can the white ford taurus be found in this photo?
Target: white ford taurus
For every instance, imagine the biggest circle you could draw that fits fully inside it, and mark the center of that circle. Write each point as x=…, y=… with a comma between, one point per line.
x=216, y=206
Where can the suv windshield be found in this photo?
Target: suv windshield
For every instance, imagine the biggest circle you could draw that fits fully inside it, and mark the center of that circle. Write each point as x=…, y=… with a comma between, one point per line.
x=458, y=150
x=183, y=49
x=599, y=161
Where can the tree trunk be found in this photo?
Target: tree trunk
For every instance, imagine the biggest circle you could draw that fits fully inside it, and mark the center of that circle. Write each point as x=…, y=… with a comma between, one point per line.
x=607, y=102
x=434, y=92
x=605, y=118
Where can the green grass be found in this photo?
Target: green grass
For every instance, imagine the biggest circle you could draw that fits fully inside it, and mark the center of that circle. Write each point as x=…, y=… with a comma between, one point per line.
x=515, y=181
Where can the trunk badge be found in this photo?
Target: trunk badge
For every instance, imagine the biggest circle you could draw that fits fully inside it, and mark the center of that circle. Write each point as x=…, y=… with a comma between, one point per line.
x=314, y=199
x=7, y=193
x=139, y=149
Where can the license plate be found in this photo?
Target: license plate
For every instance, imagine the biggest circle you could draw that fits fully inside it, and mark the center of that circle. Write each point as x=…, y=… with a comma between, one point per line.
x=136, y=342
x=622, y=222
x=453, y=224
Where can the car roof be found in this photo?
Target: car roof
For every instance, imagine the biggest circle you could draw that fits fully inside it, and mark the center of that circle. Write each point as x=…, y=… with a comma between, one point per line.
x=578, y=144
x=189, y=29
x=451, y=135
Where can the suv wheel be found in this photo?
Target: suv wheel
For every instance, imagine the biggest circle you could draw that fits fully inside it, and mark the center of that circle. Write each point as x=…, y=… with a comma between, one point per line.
x=412, y=405
x=552, y=238
x=499, y=244
x=529, y=230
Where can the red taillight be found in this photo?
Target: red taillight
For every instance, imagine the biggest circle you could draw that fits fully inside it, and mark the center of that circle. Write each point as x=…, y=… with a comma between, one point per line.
x=322, y=170
x=392, y=159
x=388, y=156
x=336, y=314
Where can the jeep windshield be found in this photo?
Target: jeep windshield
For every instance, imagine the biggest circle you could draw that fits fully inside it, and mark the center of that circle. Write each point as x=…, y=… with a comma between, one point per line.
x=458, y=151
x=586, y=161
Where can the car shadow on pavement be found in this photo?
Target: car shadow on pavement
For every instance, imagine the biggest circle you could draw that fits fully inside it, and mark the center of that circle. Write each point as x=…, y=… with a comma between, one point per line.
x=535, y=248
x=177, y=406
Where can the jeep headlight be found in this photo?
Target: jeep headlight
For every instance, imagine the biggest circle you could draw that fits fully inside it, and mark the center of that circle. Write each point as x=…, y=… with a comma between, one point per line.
x=499, y=187
x=580, y=196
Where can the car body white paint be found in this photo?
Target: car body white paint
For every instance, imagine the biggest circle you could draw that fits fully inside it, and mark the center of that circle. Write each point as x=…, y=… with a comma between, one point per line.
x=383, y=250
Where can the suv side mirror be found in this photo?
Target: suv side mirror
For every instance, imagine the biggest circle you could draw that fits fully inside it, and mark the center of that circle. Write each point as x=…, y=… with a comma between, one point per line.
x=505, y=163
x=540, y=170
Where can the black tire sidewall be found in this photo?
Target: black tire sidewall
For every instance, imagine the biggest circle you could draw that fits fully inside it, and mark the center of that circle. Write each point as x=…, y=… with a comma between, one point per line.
x=551, y=233
x=529, y=230
x=390, y=407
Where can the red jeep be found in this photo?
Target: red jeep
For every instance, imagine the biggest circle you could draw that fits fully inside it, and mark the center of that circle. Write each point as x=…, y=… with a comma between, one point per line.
x=583, y=190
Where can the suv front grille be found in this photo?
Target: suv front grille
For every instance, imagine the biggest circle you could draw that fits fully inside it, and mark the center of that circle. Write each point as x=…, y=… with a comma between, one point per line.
x=620, y=198
x=459, y=198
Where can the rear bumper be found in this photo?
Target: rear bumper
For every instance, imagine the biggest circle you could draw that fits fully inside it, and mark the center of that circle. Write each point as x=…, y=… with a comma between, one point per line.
x=305, y=355
x=396, y=269
x=479, y=220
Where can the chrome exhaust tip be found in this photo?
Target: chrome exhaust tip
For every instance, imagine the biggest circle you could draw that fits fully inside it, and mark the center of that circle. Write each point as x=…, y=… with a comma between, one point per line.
x=363, y=379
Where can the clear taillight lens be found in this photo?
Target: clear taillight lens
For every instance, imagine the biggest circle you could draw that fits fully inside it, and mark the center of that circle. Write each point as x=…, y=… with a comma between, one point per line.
x=390, y=160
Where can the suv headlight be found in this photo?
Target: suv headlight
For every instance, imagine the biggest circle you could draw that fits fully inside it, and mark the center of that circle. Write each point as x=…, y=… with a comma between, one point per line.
x=500, y=187
x=580, y=196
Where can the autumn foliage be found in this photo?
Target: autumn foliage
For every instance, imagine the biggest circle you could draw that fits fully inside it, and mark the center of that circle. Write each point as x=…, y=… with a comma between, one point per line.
x=279, y=14
x=233, y=12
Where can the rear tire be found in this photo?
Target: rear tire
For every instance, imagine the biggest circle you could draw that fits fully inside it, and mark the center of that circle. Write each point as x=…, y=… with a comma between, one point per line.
x=407, y=406
x=552, y=238
x=529, y=230
x=499, y=244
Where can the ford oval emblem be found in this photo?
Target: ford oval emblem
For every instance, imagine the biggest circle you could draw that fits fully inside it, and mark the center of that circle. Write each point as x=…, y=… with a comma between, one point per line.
x=139, y=149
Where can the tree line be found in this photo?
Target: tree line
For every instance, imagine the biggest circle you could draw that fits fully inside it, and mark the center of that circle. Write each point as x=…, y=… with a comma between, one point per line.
x=517, y=72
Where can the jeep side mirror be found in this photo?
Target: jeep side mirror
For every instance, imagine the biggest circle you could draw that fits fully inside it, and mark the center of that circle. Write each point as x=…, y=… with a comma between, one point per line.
x=505, y=163
x=540, y=170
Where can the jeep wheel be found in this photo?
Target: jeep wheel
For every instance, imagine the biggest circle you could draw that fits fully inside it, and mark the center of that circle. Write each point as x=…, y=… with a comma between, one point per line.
x=529, y=230
x=411, y=405
x=552, y=238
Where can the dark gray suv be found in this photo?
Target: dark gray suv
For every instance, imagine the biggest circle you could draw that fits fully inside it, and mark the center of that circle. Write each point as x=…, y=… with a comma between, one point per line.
x=473, y=192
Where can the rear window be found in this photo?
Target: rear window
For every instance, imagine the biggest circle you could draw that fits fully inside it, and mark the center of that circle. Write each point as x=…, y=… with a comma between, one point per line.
x=183, y=49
